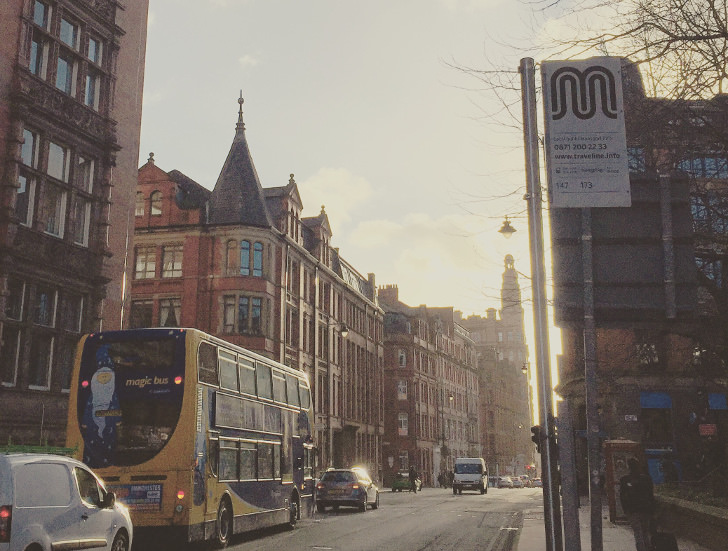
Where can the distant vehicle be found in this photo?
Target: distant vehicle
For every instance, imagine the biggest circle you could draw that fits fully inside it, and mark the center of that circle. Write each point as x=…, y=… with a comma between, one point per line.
x=47, y=501
x=505, y=482
x=470, y=473
x=351, y=487
x=517, y=482
x=493, y=481
x=526, y=481
x=402, y=482
x=537, y=483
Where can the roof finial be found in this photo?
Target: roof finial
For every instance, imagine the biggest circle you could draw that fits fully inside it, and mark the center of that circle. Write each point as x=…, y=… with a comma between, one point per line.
x=291, y=180
x=151, y=158
x=323, y=209
x=241, y=124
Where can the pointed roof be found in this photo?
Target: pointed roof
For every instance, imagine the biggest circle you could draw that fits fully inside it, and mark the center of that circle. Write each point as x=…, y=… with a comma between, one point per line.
x=238, y=196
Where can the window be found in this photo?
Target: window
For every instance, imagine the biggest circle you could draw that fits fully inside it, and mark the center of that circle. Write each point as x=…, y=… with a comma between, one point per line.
x=245, y=258
x=246, y=370
x=255, y=315
x=66, y=73
x=228, y=460
x=156, y=203
x=42, y=485
x=92, y=89
x=265, y=461
x=64, y=362
x=248, y=461
x=45, y=306
x=402, y=358
x=257, y=259
x=81, y=220
x=40, y=361
x=139, y=206
x=279, y=387
x=402, y=424
x=141, y=313
x=52, y=213
x=24, y=199
x=231, y=256
x=69, y=34
x=9, y=349
x=403, y=460
x=228, y=315
x=169, y=312
x=14, y=299
x=145, y=265
x=292, y=390
x=250, y=315
x=38, y=58
x=84, y=174
x=207, y=363
x=711, y=268
x=72, y=313
x=172, y=261
x=95, y=50
x=29, y=148
x=263, y=381
x=401, y=390
x=41, y=14
x=58, y=157
x=228, y=371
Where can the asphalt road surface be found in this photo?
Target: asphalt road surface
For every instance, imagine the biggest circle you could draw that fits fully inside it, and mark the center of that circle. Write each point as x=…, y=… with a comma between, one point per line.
x=433, y=519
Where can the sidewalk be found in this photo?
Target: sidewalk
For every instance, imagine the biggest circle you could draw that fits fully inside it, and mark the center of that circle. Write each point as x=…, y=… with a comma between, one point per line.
x=615, y=537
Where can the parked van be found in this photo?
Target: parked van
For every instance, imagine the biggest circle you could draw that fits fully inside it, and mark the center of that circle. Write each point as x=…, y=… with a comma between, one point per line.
x=470, y=474
x=55, y=502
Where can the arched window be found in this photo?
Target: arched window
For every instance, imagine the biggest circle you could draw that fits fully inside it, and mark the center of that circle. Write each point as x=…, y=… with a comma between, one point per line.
x=245, y=258
x=156, y=200
x=139, y=208
x=258, y=259
x=231, y=256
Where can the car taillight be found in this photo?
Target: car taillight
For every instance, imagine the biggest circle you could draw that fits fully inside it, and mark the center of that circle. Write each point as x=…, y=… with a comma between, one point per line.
x=320, y=486
x=6, y=516
x=355, y=486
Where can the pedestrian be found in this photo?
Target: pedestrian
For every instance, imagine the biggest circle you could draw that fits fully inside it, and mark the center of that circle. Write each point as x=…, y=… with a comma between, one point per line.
x=638, y=502
x=413, y=479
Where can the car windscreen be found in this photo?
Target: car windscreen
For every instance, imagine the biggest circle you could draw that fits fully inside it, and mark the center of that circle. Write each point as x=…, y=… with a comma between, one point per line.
x=129, y=396
x=338, y=476
x=468, y=468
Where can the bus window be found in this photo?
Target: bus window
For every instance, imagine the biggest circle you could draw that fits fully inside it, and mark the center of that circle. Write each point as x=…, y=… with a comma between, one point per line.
x=292, y=384
x=277, y=461
x=213, y=456
x=265, y=461
x=228, y=371
x=305, y=397
x=246, y=371
x=279, y=387
x=263, y=381
x=248, y=459
x=228, y=460
x=207, y=363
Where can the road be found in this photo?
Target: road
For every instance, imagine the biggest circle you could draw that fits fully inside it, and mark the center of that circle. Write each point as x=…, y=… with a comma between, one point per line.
x=433, y=519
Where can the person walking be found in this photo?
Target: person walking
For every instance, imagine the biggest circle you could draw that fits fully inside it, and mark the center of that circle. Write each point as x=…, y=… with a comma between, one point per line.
x=638, y=502
x=413, y=479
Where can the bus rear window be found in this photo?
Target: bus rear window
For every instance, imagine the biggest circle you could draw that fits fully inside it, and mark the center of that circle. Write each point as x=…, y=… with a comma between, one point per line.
x=207, y=363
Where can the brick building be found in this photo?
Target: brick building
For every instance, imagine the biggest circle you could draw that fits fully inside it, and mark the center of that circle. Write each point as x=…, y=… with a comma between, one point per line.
x=430, y=389
x=71, y=77
x=660, y=297
x=505, y=395
x=241, y=263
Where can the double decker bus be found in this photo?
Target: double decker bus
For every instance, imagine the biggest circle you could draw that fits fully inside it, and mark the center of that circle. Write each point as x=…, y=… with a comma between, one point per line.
x=193, y=433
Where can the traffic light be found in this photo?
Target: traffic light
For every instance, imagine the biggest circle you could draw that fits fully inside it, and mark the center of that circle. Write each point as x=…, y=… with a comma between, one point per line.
x=536, y=436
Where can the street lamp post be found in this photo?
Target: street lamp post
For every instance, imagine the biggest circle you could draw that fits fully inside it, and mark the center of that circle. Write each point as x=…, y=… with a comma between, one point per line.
x=552, y=510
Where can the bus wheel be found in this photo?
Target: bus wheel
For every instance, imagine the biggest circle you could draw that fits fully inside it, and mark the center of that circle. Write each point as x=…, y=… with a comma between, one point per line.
x=293, y=512
x=224, y=527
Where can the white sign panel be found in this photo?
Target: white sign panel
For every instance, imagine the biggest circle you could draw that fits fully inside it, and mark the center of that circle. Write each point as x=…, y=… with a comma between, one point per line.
x=586, y=145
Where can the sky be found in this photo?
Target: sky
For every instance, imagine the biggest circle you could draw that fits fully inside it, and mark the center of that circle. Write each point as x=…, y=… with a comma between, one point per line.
x=360, y=101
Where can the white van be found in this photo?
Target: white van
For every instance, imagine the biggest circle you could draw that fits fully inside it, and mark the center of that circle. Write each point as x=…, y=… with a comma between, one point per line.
x=55, y=502
x=470, y=473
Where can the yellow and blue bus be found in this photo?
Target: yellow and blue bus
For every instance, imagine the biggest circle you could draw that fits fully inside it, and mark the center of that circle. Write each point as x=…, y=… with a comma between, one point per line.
x=193, y=433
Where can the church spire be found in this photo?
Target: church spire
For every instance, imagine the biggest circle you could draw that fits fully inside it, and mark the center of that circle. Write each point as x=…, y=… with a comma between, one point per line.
x=240, y=126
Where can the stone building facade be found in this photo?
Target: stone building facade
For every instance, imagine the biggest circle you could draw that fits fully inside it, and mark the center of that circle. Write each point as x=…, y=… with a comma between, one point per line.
x=71, y=77
x=431, y=389
x=241, y=263
x=505, y=395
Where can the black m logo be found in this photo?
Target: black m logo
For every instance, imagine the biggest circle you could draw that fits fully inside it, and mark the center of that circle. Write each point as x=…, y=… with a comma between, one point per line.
x=570, y=84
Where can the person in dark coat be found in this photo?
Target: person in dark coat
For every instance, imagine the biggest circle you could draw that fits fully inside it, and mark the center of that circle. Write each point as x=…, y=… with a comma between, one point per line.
x=413, y=479
x=636, y=494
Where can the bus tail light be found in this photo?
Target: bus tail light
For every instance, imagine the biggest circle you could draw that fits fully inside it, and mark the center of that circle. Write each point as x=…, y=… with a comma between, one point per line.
x=178, y=380
x=180, y=494
x=6, y=516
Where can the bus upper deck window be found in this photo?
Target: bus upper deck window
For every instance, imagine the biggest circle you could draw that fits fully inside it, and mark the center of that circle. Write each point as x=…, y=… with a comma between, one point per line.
x=264, y=382
x=292, y=384
x=207, y=363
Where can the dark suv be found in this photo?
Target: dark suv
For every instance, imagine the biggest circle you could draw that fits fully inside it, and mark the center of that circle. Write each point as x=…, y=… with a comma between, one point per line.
x=352, y=487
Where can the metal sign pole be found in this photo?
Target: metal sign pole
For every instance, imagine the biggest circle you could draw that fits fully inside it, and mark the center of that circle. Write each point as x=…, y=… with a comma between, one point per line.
x=551, y=505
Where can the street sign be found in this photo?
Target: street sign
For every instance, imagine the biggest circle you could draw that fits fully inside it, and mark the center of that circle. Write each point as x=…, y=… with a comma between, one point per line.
x=586, y=144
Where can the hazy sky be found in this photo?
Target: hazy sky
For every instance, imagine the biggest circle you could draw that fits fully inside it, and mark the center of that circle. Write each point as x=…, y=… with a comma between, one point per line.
x=357, y=100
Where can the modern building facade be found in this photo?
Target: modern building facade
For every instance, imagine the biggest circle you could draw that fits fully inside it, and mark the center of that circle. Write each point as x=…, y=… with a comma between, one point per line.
x=71, y=77
x=504, y=371
x=431, y=389
x=241, y=263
